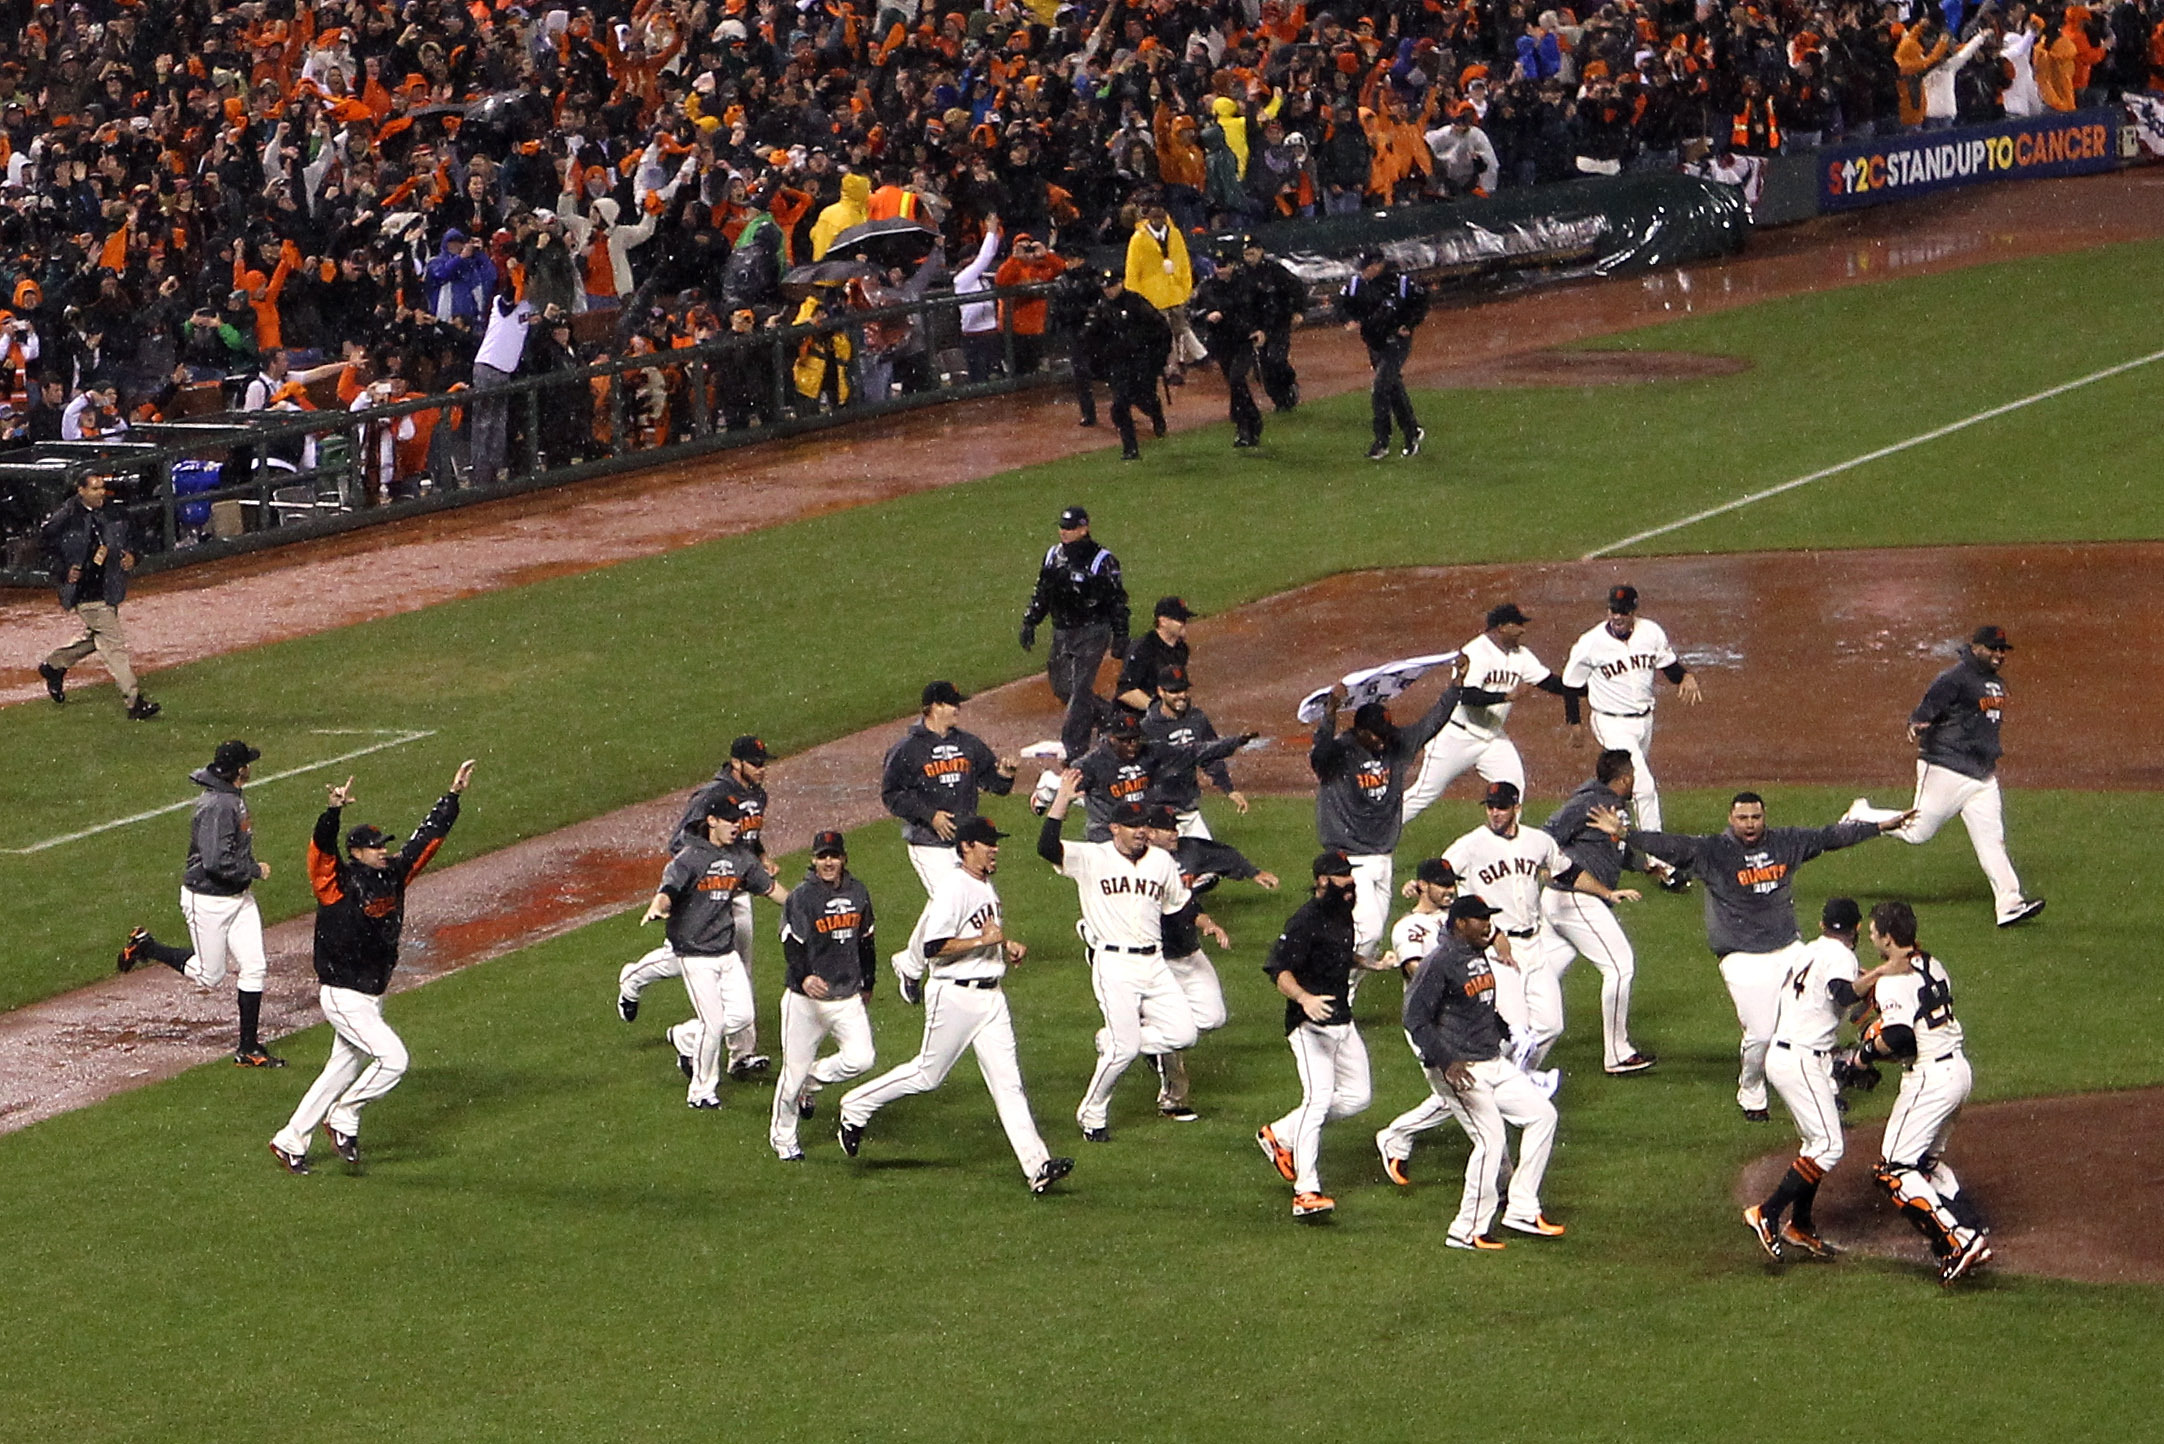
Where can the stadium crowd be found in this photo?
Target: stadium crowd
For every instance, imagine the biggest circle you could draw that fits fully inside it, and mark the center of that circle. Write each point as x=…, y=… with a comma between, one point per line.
x=194, y=188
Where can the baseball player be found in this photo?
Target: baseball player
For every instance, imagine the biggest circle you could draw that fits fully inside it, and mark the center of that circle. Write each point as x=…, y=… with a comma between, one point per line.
x=1203, y=862
x=1916, y=1027
x=1126, y=766
x=1820, y=986
x=1164, y=645
x=1312, y=964
x=741, y=780
x=1956, y=732
x=1586, y=927
x=360, y=912
x=1494, y=665
x=1433, y=889
x=962, y=944
x=1126, y=887
x=1360, y=776
x=217, y=898
x=1175, y=722
x=1613, y=666
x=1749, y=874
x=1511, y=866
x=697, y=898
x=931, y=779
x=826, y=936
x=1454, y=1026
x=1079, y=587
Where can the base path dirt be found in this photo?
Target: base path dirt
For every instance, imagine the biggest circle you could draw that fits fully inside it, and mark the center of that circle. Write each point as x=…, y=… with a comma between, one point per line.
x=2072, y=1188
x=1792, y=704
x=183, y=616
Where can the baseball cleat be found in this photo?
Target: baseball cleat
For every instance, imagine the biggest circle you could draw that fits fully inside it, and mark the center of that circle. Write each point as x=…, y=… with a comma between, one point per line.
x=2028, y=908
x=1420, y=434
x=1279, y=1155
x=1393, y=1168
x=1808, y=1242
x=256, y=1058
x=1308, y=1205
x=1096, y=1135
x=749, y=1064
x=1040, y=796
x=796, y=1157
x=1756, y=1115
x=1538, y=1225
x=1179, y=1112
x=290, y=1162
x=805, y=1107
x=55, y=681
x=346, y=1145
x=1053, y=1171
x=134, y=952
x=683, y=1064
x=627, y=1008
x=1976, y=1251
x=1635, y=1063
x=1479, y=1242
x=703, y=1103
x=1378, y=451
x=851, y=1138
x=1676, y=882
x=1754, y=1219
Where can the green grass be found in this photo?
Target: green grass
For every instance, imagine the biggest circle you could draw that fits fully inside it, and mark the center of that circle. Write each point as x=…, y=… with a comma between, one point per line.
x=590, y=692
x=548, y=1245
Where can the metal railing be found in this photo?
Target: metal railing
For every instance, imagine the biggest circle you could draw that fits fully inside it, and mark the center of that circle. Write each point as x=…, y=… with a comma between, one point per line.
x=215, y=486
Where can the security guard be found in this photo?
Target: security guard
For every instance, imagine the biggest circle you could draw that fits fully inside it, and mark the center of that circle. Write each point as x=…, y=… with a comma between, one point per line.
x=1127, y=342
x=1233, y=332
x=1278, y=302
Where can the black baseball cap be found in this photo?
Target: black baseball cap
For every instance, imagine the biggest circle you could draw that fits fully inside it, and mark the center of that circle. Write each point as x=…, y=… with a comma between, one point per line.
x=1073, y=517
x=726, y=809
x=1172, y=679
x=1992, y=637
x=1470, y=905
x=1175, y=608
x=1333, y=864
x=1507, y=613
x=231, y=757
x=1437, y=873
x=1842, y=915
x=1623, y=599
x=942, y=692
x=1374, y=717
x=977, y=829
x=748, y=749
x=1501, y=794
x=368, y=835
x=828, y=844
x=1130, y=814
x=1163, y=817
x=1126, y=725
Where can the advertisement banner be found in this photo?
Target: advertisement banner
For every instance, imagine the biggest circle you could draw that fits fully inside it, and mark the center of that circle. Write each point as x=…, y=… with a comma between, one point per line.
x=1894, y=168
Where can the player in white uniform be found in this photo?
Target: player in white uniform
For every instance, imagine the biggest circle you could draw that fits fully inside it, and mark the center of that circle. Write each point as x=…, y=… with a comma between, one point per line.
x=1917, y=1028
x=962, y=943
x=1508, y=865
x=1614, y=665
x=1127, y=887
x=1492, y=667
x=1433, y=889
x=1819, y=985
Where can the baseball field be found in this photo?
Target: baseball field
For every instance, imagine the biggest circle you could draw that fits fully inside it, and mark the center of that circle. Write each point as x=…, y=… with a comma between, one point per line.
x=546, y=1244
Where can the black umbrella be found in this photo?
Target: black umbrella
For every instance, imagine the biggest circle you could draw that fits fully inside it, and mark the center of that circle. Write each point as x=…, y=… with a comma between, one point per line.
x=896, y=242
x=803, y=280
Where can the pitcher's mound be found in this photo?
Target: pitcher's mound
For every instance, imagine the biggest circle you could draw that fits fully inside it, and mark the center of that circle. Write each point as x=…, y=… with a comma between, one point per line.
x=2073, y=1187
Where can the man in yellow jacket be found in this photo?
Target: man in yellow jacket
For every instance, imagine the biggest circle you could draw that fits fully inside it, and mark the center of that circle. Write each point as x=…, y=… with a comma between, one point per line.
x=1158, y=270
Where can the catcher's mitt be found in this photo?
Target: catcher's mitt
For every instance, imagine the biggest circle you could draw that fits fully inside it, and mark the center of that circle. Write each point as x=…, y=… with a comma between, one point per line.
x=1852, y=1069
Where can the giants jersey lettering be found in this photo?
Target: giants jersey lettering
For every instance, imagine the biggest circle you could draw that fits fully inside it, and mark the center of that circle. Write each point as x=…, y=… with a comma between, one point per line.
x=841, y=920
x=1760, y=873
x=1506, y=872
x=1372, y=777
x=1491, y=669
x=962, y=906
x=1991, y=704
x=1618, y=672
x=1130, y=782
x=1123, y=902
x=1416, y=935
x=1808, y=1017
x=948, y=766
x=1924, y=1001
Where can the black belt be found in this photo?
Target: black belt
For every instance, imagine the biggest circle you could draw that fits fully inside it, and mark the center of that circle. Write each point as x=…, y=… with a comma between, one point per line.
x=986, y=983
x=1814, y=1052
x=1943, y=1057
x=1148, y=952
x=1526, y=934
x=1647, y=713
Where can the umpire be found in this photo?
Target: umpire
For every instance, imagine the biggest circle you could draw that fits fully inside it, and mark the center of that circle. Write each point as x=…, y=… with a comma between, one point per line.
x=1080, y=589
x=1385, y=307
x=1127, y=342
x=1278, y=302
x=1233, y=332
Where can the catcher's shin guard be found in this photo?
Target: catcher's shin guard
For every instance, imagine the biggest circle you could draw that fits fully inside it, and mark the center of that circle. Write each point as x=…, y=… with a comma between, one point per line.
x=1919, y=1204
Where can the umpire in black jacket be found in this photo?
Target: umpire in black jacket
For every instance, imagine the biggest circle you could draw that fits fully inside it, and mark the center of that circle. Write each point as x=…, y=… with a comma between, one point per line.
x=1385, y=307
x=92, y=555
x=1128, y=343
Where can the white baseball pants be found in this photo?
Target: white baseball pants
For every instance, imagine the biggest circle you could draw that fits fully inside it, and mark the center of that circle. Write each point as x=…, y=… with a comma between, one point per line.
x=805, y=1024
x=1396, y=1138
x=1372, y=876
x=1754, y=986
x=1804, y=1079
x=720, y=989
x=1587, y=927
x=1191, y=823
x=662, y=962
x=1635, y=736
x=1529, y=994
x=1941, y=793
x=1923, y=1117
x=955, y=1018
x=1146, y=1011
x=225, y=931
x=367, y=1060
x=1452, y=752
x=1499, y=1095
x=1333, y=1065
x=1205, y=994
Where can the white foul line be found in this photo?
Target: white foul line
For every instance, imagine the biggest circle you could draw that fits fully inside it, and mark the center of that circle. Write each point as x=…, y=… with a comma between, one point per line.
x=396, y=739
x=1871, y=456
